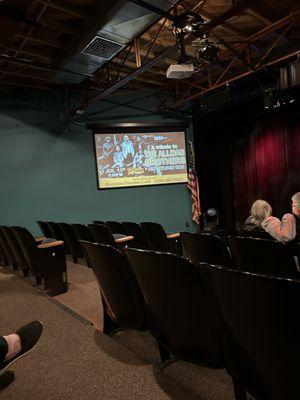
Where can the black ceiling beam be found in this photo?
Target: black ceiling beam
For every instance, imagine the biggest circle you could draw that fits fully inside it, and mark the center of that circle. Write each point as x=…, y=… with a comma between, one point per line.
x=131, y=76
x=154, y=9
x=17, y=15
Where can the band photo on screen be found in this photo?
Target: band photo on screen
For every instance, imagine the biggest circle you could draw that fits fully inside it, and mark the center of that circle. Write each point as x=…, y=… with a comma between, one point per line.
x=139, y=159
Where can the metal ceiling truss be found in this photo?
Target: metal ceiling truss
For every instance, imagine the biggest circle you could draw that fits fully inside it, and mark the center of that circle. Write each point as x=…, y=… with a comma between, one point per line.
x=30, y=24
x=230, y=75
x=142, y=64
x=249, y=54
x=19, y=50
x=113, y=73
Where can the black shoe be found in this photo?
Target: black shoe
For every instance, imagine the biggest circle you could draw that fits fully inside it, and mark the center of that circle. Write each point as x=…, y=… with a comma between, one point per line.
x=29, y=336
x=6, y=379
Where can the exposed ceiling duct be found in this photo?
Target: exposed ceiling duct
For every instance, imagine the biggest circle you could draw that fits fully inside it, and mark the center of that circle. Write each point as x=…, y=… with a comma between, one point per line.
x=126, y=21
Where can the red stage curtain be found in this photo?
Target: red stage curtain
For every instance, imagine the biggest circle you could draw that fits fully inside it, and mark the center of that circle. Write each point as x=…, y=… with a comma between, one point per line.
x=267, y=166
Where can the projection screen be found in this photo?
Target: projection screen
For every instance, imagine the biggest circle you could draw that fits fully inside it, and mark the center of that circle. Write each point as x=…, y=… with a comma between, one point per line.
x=140, y=159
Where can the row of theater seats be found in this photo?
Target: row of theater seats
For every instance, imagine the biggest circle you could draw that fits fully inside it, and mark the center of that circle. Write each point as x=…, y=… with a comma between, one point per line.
x=244, y=253
x=46, y=261
x=147, y=235
x=205, y=314
x=253, y=254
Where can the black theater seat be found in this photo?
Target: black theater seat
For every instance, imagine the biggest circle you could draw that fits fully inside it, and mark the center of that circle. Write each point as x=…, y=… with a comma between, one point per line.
x=116, y=227
x=71, y=240
x=47, y=262
x=16, y=249
x=3, y=257
x=57, y=234
x=8, y=250
x=260, y=330
x=263, y=256
x=101, y=234
x=99, y=222
x=135, y=230
x=181, y=317
x=82, y=232
x=156, y=236
x=204, y=247
x=121, y=296
x=259, y=234
x=45, y=229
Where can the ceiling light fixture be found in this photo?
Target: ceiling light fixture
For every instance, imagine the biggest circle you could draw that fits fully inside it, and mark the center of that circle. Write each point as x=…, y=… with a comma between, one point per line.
x=187, y=22
x=209, y=52
x=274, y=99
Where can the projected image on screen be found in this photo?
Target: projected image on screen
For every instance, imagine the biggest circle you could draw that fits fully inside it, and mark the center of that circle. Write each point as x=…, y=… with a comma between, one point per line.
x=138, y=159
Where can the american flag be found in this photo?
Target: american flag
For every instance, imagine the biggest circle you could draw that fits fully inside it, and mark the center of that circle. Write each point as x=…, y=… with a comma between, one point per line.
x=193, y=186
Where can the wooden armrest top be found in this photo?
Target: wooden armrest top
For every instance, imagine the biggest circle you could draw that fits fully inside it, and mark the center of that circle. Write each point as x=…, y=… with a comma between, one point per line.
x=124, y=239
x=39, y=238
x=173, y=235
x=50, y=244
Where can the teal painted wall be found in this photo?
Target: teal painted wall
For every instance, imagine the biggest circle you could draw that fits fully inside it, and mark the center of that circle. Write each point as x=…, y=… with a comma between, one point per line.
x=47, y=170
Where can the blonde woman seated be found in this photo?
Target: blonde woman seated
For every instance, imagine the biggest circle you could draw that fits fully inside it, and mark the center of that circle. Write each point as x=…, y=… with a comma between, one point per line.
x=260, y=210
x=261, y=218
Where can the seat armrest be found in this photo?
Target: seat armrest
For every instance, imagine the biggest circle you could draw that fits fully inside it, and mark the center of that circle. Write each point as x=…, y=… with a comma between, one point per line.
x=51, y=244
x=124, y=239
x=173, y=235
x=39, y=238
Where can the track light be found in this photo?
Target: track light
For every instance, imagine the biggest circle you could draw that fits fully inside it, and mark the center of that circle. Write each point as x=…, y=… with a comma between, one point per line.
x=187, y=22
x=209, y=52
x=274, y=99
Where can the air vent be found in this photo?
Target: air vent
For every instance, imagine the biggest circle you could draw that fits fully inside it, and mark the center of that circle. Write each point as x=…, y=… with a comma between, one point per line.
x=103, y=48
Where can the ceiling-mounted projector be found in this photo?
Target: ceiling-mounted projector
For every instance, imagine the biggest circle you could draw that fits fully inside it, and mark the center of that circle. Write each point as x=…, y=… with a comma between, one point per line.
x=180, y=71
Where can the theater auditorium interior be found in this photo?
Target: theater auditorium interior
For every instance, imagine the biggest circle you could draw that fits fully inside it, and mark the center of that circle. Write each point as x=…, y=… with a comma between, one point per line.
x=149, y=199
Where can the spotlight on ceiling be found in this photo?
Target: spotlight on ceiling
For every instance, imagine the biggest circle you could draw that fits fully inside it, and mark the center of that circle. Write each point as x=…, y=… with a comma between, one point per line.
x=286, y=98
x=269, y=100
x=274, y=99
x=209, y=52
x=187, y=22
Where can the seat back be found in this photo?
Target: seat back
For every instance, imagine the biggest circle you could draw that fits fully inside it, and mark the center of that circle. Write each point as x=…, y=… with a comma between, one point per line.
x=71, y=240
x=82, y=232
x=45, y=229
x=99, y=222
x=135, y=230
x=3, y=257
x=155, y=236
x=263, y=256
x=16, y=248
x=9, y=252
x=180, y=314
x=29, y=248
x=260, y=330
x=55, y=230
x=58, y=234
x=260, y=234
x=117, y=284
x=102, y=234
x=204, y=247
x=116, y=227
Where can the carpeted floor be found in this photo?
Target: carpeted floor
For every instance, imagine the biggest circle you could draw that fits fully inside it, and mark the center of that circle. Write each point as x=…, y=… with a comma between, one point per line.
x=75, y=361
x=83, y=294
